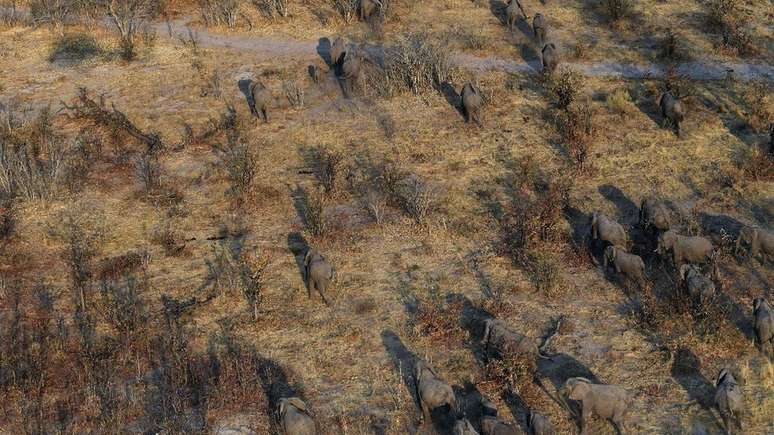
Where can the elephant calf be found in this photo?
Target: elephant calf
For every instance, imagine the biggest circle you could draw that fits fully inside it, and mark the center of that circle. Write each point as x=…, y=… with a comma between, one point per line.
x=540, y=425
x=294, y=417
x=691, y=249
x=672, y=109
x=760, y=242
x=698, y=285
x=491, y=425
x=728, y=399
x=549, y=58
x=512, y=13
x=630, y=265
x=262, y=99
x=607, y=230
x=431, y=390
x=499, y=340
x=471, y=103
x=606, y=401
x=337, y=52
x=654, y=213
x=317, y=273
x=539, y=27
x=764, y=325
x=463, y=427
x=350, y=72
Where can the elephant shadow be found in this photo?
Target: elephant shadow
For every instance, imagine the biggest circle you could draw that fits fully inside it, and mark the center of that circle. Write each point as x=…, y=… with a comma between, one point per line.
x=557, y=370
x=686, y=370
x=324, y=50
x=472, y=320
x=469, y=402
x=720, y=228
x=298, y=246
x=497, y=8
x=244, y=86
x=649, y=107
x=627, y=209
x=452, y=97
x=519, y=409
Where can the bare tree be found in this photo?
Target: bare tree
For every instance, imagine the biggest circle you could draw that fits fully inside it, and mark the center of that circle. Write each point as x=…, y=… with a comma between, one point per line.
x=129, y=16
x=52, y=12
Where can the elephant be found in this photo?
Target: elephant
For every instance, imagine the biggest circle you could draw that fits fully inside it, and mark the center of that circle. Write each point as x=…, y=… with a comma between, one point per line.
x=261, y=99
x=499, y=340
x=728, y=400
x=539, y=27
x=630, y=265
x=764, y=325
x=317, y=273
x=655, y=214
x=672, y=109
x=491, y=425
x=471, y=103
x=698, y=286
x=693, y=249
x=368, y=8
x=337, y=51
x=295, y=418
x=512, y=13
x=540, y=425
x=549, y=58
x=760, y=242
x=463, y=427
x=607, y=230
x=432, y=391
x=606, y=401
x=350, y=72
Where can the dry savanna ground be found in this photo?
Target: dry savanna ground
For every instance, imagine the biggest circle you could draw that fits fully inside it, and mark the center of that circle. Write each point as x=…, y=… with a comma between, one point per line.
x=154, y=231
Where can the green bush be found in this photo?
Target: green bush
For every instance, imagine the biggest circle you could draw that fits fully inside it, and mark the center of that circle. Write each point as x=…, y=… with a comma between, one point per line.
x=76, y=47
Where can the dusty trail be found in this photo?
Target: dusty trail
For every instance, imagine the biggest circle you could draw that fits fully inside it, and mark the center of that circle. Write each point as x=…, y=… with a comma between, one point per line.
x=273, y=47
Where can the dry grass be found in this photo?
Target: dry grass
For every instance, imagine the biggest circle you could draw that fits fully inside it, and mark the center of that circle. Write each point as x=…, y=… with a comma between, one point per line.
x=350, y=362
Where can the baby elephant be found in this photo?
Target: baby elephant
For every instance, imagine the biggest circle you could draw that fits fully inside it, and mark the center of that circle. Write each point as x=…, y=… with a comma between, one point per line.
x=317, y=273
x=337, y=51
x=294, y=417
x=654, y=213
x=549, y=58
x=499, y=340
x=691, y=249
x=672, y=109
x=491, y=425
x=698, y=285
x=630, y=265
x=471, y=103
x=760, y=242
x=463, y=427
x=764, y=325
x=606, y=401
x=607, y=230
x=728, y=399
x=512, y=13
x=261, y=100
x=432, y=392
x=539, y=27
x=540, y=425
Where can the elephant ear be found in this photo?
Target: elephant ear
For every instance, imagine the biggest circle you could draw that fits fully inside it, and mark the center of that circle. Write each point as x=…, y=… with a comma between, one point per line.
x=282, y=407
x=298, y=403
x=579, y=390
x=684, y=271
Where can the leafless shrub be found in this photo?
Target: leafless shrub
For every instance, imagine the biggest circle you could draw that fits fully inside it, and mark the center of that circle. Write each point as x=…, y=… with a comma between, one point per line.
x=219, y=12
x=211, y=86
x=467, y=38
x=294, y=94
x=620, y=102
x=757, y=165
x=32, y=158
x=579, y=131
x=272, y=8
x=375, y=205
x=129, y=17
x=544, y=270
x=566, y=87
x=328, y=165
x=240, y=164
x=7, y=220
x=52, y=12
x=346, y=8
x=438, y=320
x=719, y=11
x=418, y=198
x=172, y=241
x=680, y=85
x=617, y=9
x=759, y=100
x=253, y=270
x=738, y=38
x=510, y=373
x=148, y=171
x=122, y=307
x=388, y=126
x=670, y=46
x=415, y=64
x=314, y=213
x=112, y=268
x=10, y=14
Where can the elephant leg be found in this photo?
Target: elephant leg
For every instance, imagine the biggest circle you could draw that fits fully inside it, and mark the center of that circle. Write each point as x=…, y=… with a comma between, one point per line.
x=321, y=290
x=265, y=114
x=309, y=287
x=584, y=421
x=425, y=410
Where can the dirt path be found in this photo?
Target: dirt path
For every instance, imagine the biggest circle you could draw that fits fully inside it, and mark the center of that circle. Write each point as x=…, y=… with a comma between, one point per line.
x=273, y=47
